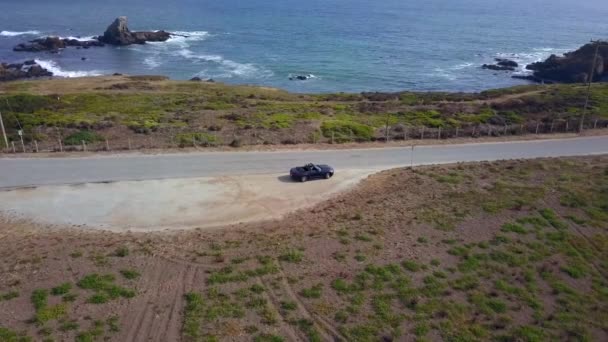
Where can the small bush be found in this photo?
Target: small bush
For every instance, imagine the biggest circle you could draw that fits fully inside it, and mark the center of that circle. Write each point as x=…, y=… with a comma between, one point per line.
x=9, y=295
x=411, y=266
x=78, y=137
x=292, y=256
x=288, y=306
x=257, y=288
x=344, y=131
x=99, y=298
x=51, y=313
x=513, y=227
x=61, y=289
x=39, y=298
x=199, y=139
x=130, y=274
x=121, y=252
x=313, y=292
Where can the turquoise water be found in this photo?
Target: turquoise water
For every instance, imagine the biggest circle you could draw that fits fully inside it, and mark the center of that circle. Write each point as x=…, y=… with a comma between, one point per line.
x=349, y=45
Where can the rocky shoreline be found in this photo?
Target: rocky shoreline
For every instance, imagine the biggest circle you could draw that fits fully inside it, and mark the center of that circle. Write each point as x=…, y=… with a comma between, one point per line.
x=17, y=71
x=588, y=63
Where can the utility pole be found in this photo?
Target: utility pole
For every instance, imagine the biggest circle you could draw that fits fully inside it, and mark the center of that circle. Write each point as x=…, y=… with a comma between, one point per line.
x=3, y=131
x=590, y=80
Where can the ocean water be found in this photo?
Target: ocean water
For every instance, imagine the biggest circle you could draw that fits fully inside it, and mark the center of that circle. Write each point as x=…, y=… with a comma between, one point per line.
x=348, y=45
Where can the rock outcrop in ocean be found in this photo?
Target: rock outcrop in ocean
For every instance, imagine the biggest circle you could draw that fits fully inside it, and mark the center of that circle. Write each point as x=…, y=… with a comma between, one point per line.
x=502, y=65
x=576, y=66
x=27, y=69
x=54, y=44
x=118, y=33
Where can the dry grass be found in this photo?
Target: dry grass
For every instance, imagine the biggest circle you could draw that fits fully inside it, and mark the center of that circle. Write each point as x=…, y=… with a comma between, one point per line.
x=513, y=250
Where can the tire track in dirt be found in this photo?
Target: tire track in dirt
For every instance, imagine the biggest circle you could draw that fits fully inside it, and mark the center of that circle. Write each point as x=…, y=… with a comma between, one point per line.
x=137, y=319
x=272, y=298
x=328, y=329
x=174, y=322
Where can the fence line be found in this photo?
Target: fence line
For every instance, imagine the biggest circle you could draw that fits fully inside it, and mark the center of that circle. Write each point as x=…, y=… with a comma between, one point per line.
x=397, y=132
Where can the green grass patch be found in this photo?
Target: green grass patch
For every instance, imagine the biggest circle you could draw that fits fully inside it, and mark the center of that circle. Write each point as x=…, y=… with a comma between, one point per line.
x=40, y=298
x=49, y=313
x=130, y=274
x=312, y=292
x=193, y=315
x=86, y=136
x=61, y=289
x=293, y=255
x=7, y=335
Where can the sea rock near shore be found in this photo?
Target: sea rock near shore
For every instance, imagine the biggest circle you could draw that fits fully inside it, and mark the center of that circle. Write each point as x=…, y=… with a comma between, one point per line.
x=118, y=33
x=54, y=44
x=574, y=67
x=27, y=69
x=501, y=65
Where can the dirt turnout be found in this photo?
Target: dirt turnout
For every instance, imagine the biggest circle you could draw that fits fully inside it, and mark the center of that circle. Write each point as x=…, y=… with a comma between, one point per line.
x=512, y=250
x=173, y=203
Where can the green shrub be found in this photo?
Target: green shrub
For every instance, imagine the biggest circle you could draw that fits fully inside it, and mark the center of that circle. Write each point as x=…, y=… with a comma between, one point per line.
x=129, y=274
x=200, y=139
x=11, y=336
x=51, y=313
x=61, y=289
x=39, y=298
x=292, y=256
x=313, y=292
x=344, y=131
x=78, y=137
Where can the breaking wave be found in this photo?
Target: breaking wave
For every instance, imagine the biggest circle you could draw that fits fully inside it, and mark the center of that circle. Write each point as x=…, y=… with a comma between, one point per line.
x=57, y=71
x=18, y=33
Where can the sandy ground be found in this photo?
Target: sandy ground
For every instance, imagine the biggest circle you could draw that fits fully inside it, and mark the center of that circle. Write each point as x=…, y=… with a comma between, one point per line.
x=172, y=204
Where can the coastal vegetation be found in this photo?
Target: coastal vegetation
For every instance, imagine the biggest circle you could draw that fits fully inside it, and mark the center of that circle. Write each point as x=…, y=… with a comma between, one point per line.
x=494, y=251
x=151, y=111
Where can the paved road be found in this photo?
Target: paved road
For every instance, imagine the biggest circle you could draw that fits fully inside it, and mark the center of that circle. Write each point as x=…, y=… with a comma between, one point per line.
x=19, y=172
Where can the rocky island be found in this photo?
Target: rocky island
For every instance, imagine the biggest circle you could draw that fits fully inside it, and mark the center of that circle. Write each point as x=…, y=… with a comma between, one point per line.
x=117, y=33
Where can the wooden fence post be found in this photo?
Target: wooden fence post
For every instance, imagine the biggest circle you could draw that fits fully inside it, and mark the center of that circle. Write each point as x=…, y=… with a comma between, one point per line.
x=129, y=142
x=84, y=146
x=107, y=145
x=36, y=145
x=537, y=125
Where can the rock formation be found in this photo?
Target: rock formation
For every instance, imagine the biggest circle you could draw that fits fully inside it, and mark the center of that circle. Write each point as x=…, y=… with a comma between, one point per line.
x=502, y=65
x=574, y=67
x=27, y=69
x=54, y=44
x=118, y=33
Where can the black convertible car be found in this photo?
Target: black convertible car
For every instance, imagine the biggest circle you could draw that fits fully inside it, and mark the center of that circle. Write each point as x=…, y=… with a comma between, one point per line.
x=310, y=171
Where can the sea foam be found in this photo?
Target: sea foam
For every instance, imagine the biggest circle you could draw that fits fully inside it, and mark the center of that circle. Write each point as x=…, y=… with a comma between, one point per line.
x=18, y=33
x=57, y=71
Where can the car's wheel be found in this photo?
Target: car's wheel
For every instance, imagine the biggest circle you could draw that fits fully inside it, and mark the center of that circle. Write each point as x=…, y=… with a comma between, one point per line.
x=303, y=179
x=328, y=175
